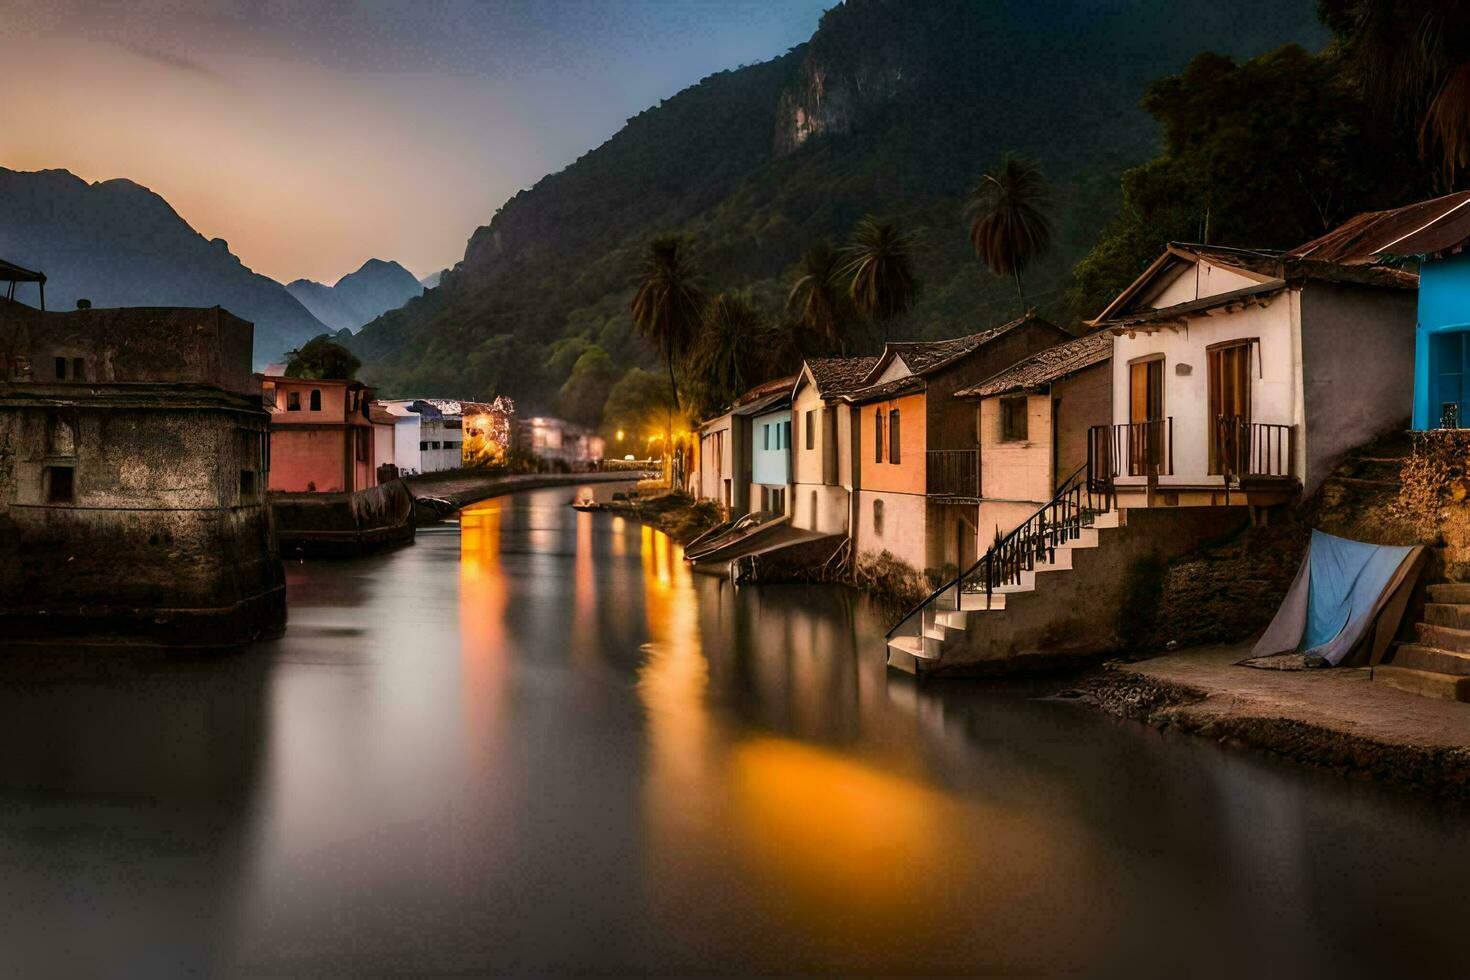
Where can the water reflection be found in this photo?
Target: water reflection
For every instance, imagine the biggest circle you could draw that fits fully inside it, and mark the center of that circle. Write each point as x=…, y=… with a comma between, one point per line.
x=534, y=742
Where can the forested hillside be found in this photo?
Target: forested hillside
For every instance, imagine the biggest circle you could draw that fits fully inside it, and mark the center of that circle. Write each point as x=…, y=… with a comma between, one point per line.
x=892, y=108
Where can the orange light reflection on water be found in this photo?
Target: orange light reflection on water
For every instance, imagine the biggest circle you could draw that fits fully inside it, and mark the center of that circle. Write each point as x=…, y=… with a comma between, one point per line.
x=482, y=602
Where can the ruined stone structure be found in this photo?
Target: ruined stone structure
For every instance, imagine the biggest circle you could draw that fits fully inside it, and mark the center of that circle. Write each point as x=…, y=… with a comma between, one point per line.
x=134, y=457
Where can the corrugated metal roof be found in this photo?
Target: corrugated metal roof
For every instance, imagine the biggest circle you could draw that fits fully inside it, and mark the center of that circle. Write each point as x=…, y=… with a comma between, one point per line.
x=1431, y=227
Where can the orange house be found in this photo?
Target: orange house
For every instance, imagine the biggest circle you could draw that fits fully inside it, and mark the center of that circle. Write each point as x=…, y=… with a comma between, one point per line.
x=321, y=435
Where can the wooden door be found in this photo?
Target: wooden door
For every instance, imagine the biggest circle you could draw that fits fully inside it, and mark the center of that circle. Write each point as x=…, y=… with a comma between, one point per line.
x=1145, y=413
x=1230, y=406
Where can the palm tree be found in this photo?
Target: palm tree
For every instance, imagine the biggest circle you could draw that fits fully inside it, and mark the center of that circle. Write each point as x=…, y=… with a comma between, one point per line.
x=1413, y=58
x=737, y=348
x=815, y=301
x=668, y=304
x=1009, y=228
x=880, y=267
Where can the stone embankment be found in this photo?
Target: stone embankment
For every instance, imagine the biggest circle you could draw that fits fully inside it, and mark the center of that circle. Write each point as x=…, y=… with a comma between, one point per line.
x=440, y=494
x=1337, y=720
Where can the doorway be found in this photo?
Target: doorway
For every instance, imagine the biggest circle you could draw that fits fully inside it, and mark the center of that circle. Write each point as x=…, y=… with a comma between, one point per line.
x=1145, y=415
x=1230, y=404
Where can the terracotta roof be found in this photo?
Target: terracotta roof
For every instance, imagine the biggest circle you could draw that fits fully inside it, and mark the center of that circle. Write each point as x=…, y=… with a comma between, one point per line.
x=927, y=356
x=1434, y=227
x=1045, y=367
x=770, y=402
x=766, y=388
x=838, y=375
x=378, y=413
x=888, y=389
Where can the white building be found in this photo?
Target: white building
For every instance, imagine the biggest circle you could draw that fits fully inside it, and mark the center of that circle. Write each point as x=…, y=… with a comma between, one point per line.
x=405, y=436
x=559, y=444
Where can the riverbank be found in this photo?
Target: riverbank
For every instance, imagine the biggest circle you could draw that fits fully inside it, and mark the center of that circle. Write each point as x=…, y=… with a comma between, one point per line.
x=454, y=489
x=680, y=517
x=1334, y=719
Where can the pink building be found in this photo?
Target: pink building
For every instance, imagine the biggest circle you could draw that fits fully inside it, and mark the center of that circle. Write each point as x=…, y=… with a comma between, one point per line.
x=322, y=437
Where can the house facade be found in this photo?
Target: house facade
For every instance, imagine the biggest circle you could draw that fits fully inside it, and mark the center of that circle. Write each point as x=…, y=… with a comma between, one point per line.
x=726, y=467
x=1034, y=420
x=322, y=438
x=716, y=476
x=770, y=455
x=825, y=468
x=134, y=459
x=1243, y=376
x=926, y=502
x=406, y=436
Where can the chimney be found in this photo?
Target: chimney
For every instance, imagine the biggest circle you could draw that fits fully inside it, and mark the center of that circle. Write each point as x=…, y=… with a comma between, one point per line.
x=84, y=304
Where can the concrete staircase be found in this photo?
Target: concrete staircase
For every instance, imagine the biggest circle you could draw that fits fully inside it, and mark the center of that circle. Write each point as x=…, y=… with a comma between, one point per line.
x=941, y=623
x=1437, y=664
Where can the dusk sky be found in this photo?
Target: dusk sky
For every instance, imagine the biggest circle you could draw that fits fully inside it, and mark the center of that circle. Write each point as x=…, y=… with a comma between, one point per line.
x=313, y=136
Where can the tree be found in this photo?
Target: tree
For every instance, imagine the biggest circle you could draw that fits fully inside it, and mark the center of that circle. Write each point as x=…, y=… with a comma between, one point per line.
x=880, y=269
x=638, y=405
x=736, y=349
x=322, y=358
x=1411, y=58
x=1265, y=153
x=816, y=301
x=1009, y=227
x=668, y=304
x=586, y=389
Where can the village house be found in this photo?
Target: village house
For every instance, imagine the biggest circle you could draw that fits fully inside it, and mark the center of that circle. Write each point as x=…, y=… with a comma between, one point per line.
x=1034, y=422
x=384, y=441
x=441, y=434
x=770, y=452
x=725, y=469
x=134, y=458
x=824, y=466
x=406, y=436
x=919, y=472
x=322, y=438
x=1243, y=376
x=559, y=444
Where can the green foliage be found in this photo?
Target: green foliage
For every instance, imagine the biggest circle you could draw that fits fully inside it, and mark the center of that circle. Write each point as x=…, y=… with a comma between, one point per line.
x=668, y=306
x=639, y=404
x=818, y=303
x=1266, y=153
x=586, y=389
x=322, y=357
x=880, y=270
x=1009, y=227
x=736, y=349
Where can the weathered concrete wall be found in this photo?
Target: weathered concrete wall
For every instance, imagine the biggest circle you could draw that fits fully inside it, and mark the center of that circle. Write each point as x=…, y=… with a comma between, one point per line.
x=900, y=530
x=165, y=537
x=1079, y=402
x=344, y=524
x=1358, y=365
x=305, y=459
x=1098, y=605
x=951, y=421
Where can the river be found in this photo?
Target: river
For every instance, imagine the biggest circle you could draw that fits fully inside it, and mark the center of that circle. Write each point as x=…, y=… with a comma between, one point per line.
x=535, y=742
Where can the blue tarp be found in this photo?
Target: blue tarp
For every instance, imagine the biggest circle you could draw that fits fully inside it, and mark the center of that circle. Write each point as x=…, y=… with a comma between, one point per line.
x=1339, y=592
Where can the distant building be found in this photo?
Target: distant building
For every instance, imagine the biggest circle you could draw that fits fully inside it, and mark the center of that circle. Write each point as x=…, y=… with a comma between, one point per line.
x=489, y=432
x=406, y=436
x=726, y=467
x=134, y=458
x=322, y=438
x=441, y=433
x=558, y=444
x=384, y=436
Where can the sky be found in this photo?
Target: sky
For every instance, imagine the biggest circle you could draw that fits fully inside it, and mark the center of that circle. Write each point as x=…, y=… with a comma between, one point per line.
x=313, y=136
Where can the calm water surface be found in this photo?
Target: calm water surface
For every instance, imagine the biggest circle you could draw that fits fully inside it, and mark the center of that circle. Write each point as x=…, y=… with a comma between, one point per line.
x=535, y=742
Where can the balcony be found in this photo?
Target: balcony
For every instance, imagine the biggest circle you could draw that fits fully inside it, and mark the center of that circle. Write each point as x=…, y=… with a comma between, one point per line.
x=953, y=475
x=1246, y=450
x=1129, y=449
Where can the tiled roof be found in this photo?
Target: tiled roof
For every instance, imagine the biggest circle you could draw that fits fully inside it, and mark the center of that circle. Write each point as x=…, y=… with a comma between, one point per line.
x=766, y=388
x=1298, y=264
x=888, y=389
x=839, y=375
x=924, y=356
x=1047, y=366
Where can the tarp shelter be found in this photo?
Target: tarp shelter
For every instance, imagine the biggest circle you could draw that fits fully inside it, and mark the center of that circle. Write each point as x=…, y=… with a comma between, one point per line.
x=1345, y=603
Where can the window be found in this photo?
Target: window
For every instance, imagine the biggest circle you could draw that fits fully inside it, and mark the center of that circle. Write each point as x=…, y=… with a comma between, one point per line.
x=247, y=484
x=78, y=369
x=785, y=435
x=60, y=484
x=293, y=401
x=61, y=434
x=1013, y=419
x=61, y=369
x=363, y=435
x=316, y=400
x=423, y=445
x=878, y=517
x=765, y=437
x=811, y=438
x=893, y=436
x=878, y=436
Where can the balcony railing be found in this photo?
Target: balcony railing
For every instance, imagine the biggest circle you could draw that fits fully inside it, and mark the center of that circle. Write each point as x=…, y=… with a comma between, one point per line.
x=1129, y=449
x=953, y=473
x=1251, y=449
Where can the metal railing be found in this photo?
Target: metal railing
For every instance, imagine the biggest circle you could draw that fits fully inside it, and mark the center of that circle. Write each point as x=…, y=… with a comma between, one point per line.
x=953, y=473
x=1129, y=449
x=1059, y=521
x=1246, y=448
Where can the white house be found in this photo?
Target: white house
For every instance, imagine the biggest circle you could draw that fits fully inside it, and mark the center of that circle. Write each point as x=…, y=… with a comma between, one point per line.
x=770, y=454
x=405, y=436
x=1241, y=375
x=823, y=476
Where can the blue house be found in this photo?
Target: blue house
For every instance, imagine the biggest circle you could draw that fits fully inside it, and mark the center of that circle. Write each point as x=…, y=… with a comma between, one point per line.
x=770, y=455
x=1435, y=232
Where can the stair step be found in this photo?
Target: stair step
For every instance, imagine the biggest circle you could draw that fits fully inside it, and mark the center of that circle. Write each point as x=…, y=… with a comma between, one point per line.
x=1450, y=592
x=975, y=601
x=1448, y=614
x=1425, y=683
x=952, y=619
x=1419, y=657
x=1443, y=637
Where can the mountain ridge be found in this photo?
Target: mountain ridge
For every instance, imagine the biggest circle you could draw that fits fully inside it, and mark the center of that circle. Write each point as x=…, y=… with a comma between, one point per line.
x=377, y=286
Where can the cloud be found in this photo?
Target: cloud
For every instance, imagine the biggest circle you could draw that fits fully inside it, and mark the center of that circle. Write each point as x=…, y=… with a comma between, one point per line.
x=168, y=59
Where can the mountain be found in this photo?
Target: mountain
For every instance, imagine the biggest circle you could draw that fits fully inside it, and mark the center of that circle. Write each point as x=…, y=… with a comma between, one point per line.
x=893, y=107
x=119, y=244
x=359, y=296
x=432, y=279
